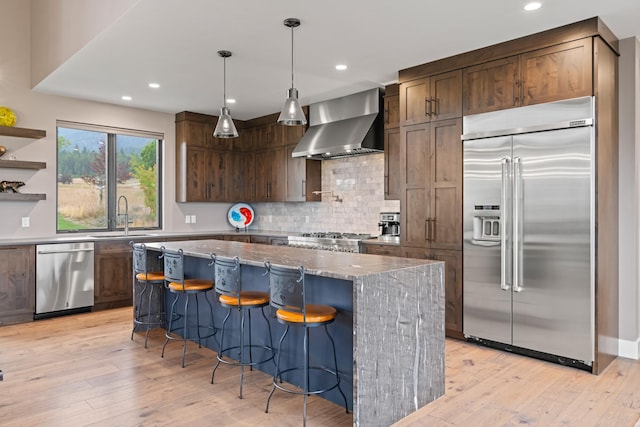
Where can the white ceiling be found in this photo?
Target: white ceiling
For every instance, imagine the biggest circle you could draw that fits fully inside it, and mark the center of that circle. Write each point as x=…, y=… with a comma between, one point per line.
x=175, y=43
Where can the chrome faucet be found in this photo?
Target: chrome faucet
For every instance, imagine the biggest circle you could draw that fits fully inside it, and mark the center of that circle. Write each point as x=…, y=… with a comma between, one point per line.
x=125, y=214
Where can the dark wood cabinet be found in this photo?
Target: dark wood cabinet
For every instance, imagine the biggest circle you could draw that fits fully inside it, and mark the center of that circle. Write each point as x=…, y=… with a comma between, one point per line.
x=17, y=284
x=380, y=249
x=431, y=199
x=432, y=98
x=270, y=167
x=113, y=278
x=205, y=174
x=452, y=285
x=392, y=106
x=558, y=72
x=392, y=164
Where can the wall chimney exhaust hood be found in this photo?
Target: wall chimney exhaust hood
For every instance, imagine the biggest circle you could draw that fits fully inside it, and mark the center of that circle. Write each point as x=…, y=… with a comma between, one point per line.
x=343, y=127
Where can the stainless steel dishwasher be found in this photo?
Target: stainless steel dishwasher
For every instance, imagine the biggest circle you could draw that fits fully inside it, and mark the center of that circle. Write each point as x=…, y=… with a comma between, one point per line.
x=64, y=278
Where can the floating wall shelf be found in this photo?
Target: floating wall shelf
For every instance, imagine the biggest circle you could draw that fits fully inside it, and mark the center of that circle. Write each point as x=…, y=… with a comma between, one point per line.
x=20, y=197
x=22, y=132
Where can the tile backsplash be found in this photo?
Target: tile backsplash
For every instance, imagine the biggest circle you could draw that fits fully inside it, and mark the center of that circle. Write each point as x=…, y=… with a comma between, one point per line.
x=357, y=181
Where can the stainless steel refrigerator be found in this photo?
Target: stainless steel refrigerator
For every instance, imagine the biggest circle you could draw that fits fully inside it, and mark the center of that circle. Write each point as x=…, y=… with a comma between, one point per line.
x=529, y=229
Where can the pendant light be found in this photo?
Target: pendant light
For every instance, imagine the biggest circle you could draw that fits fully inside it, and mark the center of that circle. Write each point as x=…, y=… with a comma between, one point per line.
x=225, y=127
x=292, y=114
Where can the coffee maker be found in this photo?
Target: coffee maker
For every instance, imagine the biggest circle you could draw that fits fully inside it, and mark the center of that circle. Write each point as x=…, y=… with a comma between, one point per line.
x=390, y=226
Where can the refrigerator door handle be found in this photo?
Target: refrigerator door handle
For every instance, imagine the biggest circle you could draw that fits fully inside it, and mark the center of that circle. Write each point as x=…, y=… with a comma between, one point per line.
x=517, y=225
x=504, y=201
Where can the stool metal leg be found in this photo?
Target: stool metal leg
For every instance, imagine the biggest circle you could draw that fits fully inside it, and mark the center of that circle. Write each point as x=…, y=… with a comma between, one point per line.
x=335, y=365
x=224, y=322
x=146, y=336
x=136, y=308
x=184, y=331
x=168, y=334
x=242, y=318
x=276, y=373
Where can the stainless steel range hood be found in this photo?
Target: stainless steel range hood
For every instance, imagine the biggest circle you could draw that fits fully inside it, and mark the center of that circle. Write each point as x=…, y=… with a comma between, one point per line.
x=344, y=127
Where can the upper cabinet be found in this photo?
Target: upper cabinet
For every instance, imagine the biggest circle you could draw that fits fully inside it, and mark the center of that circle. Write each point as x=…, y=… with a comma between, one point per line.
x=255, y=167
x=16, y=132
x=558, y=72
x=392, y=106
x=433, y=98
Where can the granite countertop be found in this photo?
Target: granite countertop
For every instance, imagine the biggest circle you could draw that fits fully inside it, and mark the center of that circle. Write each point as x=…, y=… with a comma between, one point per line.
x=337, y=265
x=106, y=236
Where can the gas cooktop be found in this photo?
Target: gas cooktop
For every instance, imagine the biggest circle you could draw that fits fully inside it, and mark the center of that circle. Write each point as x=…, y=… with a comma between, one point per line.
x=336, y=235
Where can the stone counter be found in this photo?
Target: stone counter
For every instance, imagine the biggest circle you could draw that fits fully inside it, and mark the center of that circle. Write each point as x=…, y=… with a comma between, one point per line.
x=397, y=320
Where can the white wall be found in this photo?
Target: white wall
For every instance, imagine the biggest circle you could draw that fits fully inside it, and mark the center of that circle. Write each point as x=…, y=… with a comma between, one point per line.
x=62, y=27
x=629, y=160
x=39, y=111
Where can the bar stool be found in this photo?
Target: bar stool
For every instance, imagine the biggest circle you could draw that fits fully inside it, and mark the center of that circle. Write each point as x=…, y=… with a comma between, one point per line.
x=288, y=296
x=177, y=284
x=154, y=317
x=229, y=287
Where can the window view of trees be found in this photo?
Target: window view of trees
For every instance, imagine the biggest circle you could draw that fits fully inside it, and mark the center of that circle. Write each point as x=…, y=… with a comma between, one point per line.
x=95, y=169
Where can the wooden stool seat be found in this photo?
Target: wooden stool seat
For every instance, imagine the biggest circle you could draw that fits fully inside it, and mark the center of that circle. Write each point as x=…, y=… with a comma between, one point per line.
x=315, y=313
x=192, y=285
x=247, y=298
x=152, y=276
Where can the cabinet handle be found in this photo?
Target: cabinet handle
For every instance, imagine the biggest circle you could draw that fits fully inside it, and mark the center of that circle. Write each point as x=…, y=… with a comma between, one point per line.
x=426, y=229
x=304, y=188
x=426, y=106
x=434, y=106
x=515, y=92
x=433, y=229
x=522, y=93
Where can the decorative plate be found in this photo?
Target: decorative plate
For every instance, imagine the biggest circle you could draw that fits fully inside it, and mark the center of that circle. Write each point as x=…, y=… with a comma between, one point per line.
x=240, y=215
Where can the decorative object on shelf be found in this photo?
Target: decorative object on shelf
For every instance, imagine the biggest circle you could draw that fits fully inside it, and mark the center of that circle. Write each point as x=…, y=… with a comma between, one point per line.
x=225, y=127
x=3, y=150
x=10, y=186
x=240, y=215
x=7, y=117
x=292, y=114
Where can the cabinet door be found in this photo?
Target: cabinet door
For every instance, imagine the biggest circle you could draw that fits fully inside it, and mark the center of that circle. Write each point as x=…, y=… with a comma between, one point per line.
x=303, y=177
x=387, y=250
x=391, y=111
x=392, y=164
x=17, y=284
x=195, y=175
x=270, y=175
x=445, y=182
x=414, y=99
x=416, y=168
x=216, y=171
x=491, y=86
x=445, y=101
x=558, y=72
x=452, y=290
x=113, y=278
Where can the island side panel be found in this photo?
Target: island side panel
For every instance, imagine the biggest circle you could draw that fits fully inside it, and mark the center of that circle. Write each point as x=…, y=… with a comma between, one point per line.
x=398, y=343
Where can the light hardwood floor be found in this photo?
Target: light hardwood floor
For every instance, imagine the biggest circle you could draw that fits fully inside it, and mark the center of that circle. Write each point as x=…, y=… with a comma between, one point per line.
x=84, y=370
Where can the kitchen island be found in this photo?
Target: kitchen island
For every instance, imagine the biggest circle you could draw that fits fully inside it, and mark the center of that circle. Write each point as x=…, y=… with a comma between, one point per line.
x=390, y=322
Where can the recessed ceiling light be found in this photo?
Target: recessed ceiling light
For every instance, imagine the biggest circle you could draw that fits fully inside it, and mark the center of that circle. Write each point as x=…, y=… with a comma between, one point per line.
x=154, y=85
x=341, y=67
x=126, y=98
x=231, y=101
x=534, y=5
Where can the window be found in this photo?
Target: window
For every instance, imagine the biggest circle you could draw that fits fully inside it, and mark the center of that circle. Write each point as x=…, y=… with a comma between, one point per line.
x=104, y=173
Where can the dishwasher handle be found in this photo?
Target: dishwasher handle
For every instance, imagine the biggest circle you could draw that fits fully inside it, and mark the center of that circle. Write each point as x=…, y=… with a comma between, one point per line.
x=65, y=251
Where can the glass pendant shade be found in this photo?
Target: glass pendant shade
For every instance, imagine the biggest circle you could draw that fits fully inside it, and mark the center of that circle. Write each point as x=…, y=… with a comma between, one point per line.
x=225, y=127
x=292, y=114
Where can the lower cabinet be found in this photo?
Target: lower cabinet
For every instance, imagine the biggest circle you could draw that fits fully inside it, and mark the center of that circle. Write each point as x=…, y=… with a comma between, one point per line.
x=378, y=249
x=452, y=285
x=113, y=275
x=17, y=284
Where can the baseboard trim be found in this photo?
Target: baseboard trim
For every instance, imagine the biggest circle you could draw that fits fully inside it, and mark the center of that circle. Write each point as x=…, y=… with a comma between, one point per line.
x=629, y=349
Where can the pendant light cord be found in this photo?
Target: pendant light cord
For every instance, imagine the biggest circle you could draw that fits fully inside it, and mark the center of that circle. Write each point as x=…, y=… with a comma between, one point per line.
x=292, y=57
x=224, y=82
